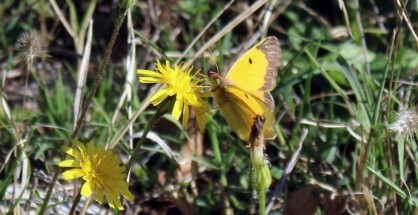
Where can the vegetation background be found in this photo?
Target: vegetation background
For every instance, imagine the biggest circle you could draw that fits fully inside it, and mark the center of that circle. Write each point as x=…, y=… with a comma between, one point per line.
x=348, y=76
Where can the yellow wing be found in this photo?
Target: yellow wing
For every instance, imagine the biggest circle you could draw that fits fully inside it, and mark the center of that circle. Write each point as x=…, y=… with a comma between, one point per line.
x=240, y=110
x=244, y=93
x=257, y=68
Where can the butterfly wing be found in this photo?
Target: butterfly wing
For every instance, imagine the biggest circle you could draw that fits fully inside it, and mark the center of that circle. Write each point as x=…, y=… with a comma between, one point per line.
x=244, y=93
x=256, y=69
x=240, y=109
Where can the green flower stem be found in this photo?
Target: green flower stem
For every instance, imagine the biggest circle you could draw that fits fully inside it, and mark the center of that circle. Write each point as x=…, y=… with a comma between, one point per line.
x=49, y=193
x=262, y=201
x=102, y=69
x=139, y=144
x=75, y=202
x=260, y=175
x=163, y=109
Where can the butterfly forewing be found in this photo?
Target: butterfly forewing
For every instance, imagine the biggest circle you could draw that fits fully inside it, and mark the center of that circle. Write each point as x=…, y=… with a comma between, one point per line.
x=271, y=48
x=257, y=68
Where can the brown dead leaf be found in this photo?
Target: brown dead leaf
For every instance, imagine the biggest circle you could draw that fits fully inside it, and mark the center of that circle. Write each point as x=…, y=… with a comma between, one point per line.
x=302, y=201
x=334, y=204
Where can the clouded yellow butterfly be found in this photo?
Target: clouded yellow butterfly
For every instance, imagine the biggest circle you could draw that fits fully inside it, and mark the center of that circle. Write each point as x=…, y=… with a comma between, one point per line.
x=244, y=93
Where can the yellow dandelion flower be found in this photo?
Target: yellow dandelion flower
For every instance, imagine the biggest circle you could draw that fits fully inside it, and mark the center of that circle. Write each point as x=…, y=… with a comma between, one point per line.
x=185, y=88
x=101, y=170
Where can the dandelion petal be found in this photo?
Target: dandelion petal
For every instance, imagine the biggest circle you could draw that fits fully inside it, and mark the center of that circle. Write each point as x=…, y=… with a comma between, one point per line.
x=87, y=189
x=70, y=151
x=185, y=115
x=69, y=163
x=73, y=174
x=158, y=97
x=178, y=106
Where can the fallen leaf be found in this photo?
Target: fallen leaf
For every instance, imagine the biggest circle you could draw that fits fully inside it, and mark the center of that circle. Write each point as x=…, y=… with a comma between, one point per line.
x=302, y=201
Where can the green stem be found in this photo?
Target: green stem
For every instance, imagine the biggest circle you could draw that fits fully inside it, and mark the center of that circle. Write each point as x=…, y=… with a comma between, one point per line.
x=75, y=202
x=99, y=75
x=160, y=112
x=217, y=153
x=260, y=175
x=139, y=144
x=219, y=162
x=49, y=193
x=262, y=201
x=215, y=143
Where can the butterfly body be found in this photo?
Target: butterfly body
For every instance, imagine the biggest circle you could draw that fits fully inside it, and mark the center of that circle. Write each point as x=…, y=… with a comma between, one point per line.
x=244, y=93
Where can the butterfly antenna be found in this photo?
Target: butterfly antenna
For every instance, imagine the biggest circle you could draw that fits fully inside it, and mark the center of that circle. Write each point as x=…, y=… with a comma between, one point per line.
x=214, y=60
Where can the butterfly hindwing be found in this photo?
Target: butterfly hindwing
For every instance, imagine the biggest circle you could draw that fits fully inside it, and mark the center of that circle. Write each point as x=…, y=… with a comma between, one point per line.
x=241, y=108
